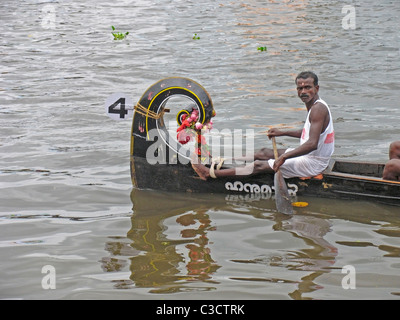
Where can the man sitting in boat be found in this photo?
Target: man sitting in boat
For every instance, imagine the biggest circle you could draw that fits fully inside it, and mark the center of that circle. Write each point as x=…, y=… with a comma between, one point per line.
x=392, y=167
x=309, y=159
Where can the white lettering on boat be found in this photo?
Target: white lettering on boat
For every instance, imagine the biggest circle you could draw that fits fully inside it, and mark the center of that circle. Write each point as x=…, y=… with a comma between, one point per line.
x=255, y=188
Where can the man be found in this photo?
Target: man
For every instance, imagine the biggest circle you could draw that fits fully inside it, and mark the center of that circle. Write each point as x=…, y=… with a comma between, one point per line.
x=392, y=167
x=310, y=158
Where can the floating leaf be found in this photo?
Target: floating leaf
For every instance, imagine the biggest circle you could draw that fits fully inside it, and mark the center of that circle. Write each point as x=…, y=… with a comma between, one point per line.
x=118, y=35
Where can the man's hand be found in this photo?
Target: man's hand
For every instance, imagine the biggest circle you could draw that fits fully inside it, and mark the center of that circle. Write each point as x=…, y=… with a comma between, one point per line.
x=274, y=132
x=281, y=160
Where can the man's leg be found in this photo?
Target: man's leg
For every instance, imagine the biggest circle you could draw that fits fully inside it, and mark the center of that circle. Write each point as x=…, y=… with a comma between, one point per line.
x=266, y=154
x=255, y=167
x=258, y=164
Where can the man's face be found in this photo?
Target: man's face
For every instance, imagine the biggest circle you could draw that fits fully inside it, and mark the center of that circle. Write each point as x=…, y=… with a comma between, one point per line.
x=306, y=90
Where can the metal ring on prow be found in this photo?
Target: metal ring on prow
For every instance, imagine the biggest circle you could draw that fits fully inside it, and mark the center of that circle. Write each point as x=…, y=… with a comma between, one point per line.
x=149, y=138
x=186, y=111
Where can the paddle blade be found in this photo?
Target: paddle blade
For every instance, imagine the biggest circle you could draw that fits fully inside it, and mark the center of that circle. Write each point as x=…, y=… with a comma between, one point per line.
x=283, y=203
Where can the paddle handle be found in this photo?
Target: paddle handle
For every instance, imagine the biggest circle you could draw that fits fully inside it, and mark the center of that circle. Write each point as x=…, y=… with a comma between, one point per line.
x=275, y=149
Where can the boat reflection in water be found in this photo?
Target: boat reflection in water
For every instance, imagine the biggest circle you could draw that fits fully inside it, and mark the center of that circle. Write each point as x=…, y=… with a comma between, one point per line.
x=168, y=248
x=162, y=263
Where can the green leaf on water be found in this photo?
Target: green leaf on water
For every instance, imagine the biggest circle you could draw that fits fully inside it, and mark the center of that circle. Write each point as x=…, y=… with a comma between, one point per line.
x=118, y=35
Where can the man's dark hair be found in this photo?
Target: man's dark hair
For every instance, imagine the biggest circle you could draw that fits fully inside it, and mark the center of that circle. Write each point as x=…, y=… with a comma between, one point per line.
x=306, y=75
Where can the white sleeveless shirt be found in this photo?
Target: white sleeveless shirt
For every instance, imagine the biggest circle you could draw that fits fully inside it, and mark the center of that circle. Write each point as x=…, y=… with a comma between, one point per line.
x=315, y=162
x=326, y=143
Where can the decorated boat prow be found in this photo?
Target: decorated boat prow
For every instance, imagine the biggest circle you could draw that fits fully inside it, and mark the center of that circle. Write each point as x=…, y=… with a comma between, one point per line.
x=164, y=104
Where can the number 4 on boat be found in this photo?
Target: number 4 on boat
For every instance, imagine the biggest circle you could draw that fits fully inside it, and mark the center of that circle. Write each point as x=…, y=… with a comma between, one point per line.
x=119, y=106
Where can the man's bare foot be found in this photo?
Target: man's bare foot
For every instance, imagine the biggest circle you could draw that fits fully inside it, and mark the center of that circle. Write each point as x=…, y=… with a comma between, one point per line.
x=201, y=170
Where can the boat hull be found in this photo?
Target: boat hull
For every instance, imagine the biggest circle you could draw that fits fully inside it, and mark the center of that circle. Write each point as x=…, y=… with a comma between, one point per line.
x=182, y=178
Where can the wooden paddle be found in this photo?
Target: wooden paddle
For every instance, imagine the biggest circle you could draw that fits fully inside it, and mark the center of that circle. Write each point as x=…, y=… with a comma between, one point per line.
x=283, y=203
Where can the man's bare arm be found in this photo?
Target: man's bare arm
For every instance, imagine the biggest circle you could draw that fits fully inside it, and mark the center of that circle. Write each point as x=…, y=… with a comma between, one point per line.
x=274, y=132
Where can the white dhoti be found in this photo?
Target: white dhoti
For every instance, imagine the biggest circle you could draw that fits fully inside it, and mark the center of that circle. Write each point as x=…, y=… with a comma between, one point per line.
x=304, y=166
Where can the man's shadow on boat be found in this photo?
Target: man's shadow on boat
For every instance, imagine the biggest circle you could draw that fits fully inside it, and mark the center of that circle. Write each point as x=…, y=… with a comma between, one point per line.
x=169, y=249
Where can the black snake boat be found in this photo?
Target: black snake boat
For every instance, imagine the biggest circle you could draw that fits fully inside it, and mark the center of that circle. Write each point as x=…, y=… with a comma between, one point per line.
x=161, y=161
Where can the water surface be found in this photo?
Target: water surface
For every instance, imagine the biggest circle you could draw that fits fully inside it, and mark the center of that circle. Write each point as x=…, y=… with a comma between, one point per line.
x=66, y=195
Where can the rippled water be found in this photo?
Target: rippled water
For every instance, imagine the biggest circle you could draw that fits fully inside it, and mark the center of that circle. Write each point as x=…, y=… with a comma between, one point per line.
x=66, y=195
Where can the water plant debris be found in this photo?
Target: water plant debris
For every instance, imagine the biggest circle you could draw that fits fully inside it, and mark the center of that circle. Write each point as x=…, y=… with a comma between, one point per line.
x=118, y=35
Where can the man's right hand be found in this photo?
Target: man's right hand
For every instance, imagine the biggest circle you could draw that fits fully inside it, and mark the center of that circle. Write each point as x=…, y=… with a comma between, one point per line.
x=274, y=132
